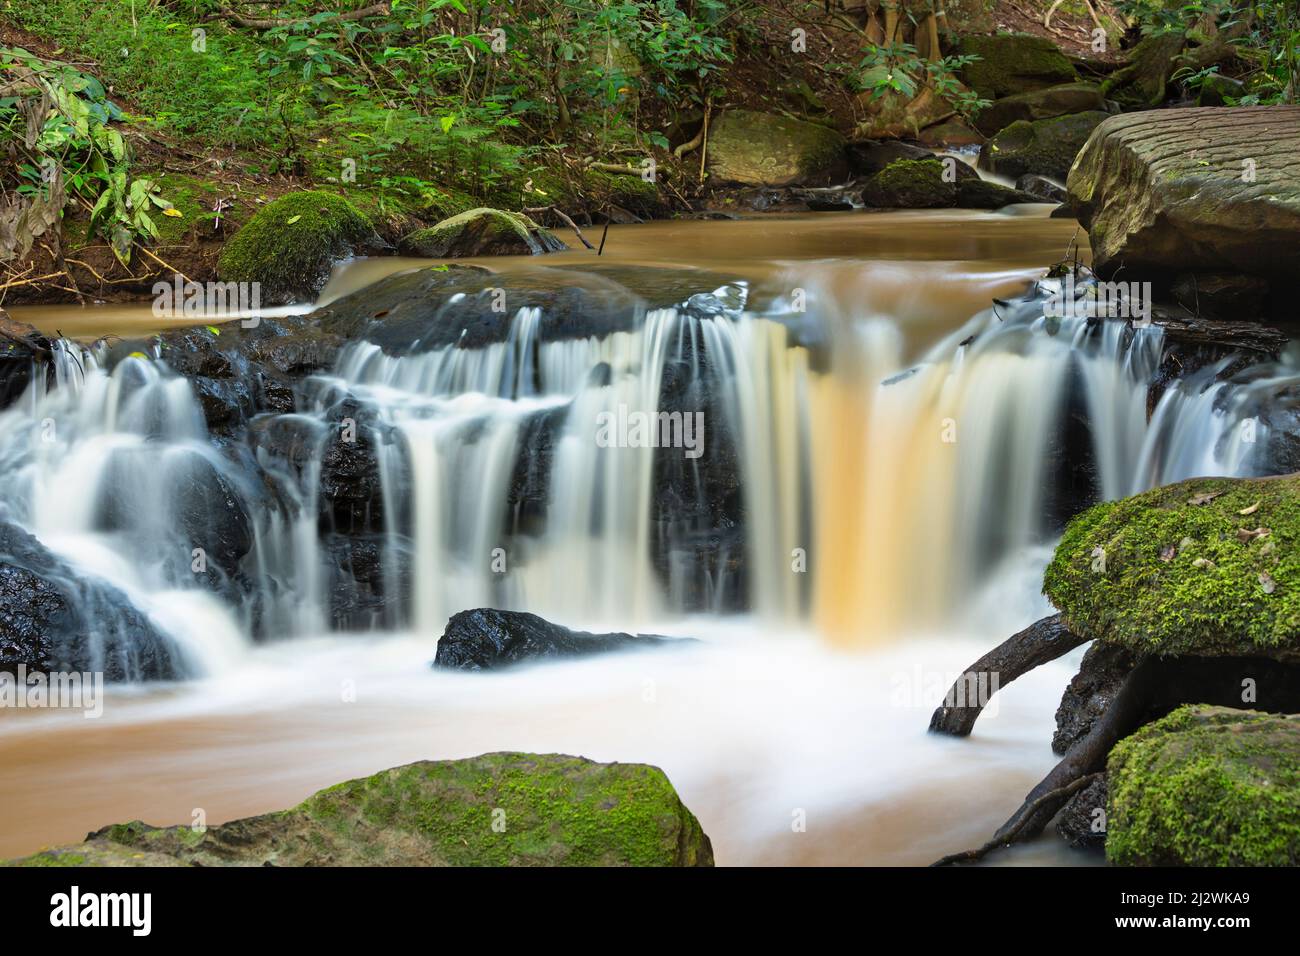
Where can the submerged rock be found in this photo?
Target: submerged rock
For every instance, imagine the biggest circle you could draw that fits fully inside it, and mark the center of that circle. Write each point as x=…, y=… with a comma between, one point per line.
x=290, y=246
x=1179, y=190
x=750, y=148
x=1047, y=147
x=557, y=810
x=1013, y=63
x=1204, y=567
x=53, y=618
x=481, y=232
x=1206, y=786
x=487, y=639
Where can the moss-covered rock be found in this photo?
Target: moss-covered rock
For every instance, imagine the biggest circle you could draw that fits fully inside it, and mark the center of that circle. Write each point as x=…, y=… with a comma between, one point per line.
x=1046, y=147
x=1039, y=104
x=1142, y=84
x=500, y=809
x=290, y=245
x=1206, y=786
x=750, y=148
x=481, y=232
x=911, y=184
x=1012, y=63
x=1209, y=566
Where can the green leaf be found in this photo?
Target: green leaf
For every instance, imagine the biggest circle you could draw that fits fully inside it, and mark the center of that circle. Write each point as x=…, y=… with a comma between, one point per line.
x=292, y=220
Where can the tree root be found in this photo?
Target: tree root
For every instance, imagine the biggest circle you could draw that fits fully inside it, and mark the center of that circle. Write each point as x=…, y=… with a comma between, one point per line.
x=970, y=856
x=1151, y=690
x=1039, y=643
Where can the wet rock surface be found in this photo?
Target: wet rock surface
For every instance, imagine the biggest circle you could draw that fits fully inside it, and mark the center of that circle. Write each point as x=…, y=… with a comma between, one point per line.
x=55, y=619
x=487, y=639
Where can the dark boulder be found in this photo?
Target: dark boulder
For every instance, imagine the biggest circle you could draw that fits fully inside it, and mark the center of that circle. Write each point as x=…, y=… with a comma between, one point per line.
x=1221, y=295
x=53, y=618
x=487, y=639
x=869, y=157
x=982, y=194
x=1047, y=147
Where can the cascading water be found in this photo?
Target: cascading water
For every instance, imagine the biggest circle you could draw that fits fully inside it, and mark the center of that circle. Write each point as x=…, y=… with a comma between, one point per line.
x=872, y=500
x=876, y=469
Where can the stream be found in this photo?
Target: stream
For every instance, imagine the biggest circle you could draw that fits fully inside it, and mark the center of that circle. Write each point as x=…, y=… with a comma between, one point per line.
x=892, y=457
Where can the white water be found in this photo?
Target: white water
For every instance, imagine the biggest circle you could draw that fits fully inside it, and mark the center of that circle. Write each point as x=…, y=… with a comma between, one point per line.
x=921, y=551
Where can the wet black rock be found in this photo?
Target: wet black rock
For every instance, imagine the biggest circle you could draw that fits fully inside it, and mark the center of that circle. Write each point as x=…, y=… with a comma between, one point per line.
x=1042, y=188
x=1090, y=692
x=53, y=618
x=22, y=349
x=427, y=309
x=1230, y=296
x=1082, y=821
x=486, y=639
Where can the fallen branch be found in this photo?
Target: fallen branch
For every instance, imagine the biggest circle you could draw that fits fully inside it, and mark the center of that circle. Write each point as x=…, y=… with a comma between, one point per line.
x=538, y=210
x=1061, y=795
x=1039, y=643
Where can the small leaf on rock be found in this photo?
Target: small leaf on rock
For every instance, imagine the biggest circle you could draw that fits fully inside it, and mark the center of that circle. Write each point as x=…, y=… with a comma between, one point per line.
x=1204, y=498
x=1267, y=583
x=1252, y=509
x=1245, y=535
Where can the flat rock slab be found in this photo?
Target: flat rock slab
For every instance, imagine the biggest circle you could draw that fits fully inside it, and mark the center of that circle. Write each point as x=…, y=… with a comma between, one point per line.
x=498, y=809
x=1215, y=189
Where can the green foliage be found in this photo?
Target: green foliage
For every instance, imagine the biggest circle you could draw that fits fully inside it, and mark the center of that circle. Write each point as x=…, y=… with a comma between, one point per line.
x=75, y=148
x=896, y=68
x=1268, y=31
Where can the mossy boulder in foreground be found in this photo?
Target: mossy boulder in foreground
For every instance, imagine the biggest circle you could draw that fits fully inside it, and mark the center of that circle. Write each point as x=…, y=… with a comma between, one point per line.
x=1207, y=786
x=289, y=246
x=500, y=809
x=1207, y=567
x=481, y=232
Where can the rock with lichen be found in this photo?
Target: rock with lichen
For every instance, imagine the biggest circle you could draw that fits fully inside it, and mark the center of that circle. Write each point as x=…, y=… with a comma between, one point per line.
x=1206, y=786
x=1046, y=147
x=912, y=184
x=1206, y=567
x=481, y=232
x=750, y=148
x=498, y=809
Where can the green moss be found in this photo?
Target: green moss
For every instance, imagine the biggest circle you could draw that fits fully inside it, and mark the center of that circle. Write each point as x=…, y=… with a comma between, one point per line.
x=1047, y=147
x=290, y=245
x=1178, y=570
x=504, y=809
x=481, y=231
x=193, y=198
x=1011, y=63
x=1206, y=786
x=911, y=184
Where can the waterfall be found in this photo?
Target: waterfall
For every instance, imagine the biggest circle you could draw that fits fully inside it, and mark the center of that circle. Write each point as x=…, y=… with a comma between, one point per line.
x=841, y=478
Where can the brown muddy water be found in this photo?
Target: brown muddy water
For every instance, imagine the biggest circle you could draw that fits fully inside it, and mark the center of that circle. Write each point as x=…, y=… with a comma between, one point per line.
x=795, y=738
